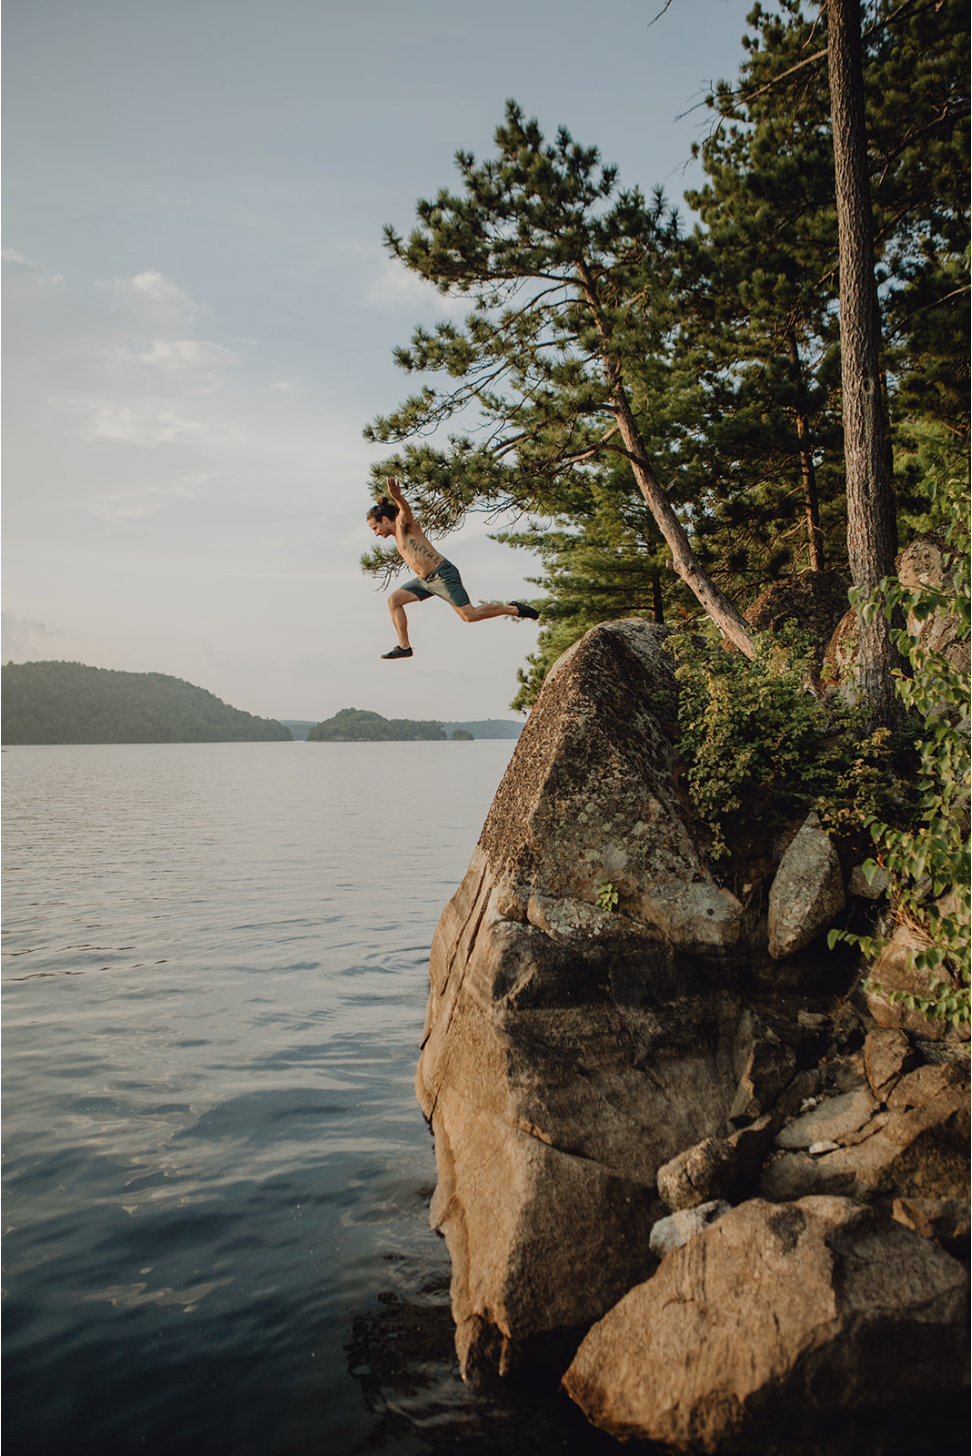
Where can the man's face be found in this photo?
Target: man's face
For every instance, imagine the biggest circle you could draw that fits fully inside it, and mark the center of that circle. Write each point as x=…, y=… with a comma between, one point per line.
x=383, y=526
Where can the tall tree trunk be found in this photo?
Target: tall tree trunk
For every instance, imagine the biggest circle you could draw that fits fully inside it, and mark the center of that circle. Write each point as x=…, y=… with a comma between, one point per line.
x=871, y=536
x=718, y=606
x=808, y=475
x=731, y=623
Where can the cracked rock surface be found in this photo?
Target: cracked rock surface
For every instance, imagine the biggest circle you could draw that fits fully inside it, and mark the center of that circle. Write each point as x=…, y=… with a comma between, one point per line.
x=746, y=1333
x=576, y=1062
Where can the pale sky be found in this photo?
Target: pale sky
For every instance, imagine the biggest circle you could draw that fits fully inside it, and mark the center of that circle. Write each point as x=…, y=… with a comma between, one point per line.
x=200, y=317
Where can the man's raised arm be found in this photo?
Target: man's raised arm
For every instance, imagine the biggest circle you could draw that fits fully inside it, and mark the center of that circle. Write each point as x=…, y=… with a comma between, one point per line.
x=405, y=513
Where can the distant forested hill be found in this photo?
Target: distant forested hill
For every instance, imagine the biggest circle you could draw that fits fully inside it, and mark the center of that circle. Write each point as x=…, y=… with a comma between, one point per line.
x=66, y=702
x=357, y=725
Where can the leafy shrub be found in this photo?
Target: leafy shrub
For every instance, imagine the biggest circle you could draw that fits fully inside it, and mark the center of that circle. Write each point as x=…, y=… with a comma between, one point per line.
x=927, y=860
x=607, y=895
x=758, y=743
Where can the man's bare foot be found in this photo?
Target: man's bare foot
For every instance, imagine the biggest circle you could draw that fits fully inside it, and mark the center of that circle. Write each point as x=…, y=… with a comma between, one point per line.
x=397, y=652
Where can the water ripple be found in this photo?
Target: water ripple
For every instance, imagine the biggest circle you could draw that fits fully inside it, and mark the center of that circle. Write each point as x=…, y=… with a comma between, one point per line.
x=213, y=1161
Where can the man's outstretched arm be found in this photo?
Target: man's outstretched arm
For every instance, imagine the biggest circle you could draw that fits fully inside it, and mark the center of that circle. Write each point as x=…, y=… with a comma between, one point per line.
x=404, y=510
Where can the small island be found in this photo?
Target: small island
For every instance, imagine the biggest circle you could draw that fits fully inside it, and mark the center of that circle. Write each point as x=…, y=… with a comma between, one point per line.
x=358, y=725
x=67, y=702
x=484, y=728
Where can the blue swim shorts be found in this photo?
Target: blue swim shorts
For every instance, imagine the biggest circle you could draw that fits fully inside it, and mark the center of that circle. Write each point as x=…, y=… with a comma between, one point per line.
x=445, y=582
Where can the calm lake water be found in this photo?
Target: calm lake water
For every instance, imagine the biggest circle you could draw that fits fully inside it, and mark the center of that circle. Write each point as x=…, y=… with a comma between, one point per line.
x=216, y=1176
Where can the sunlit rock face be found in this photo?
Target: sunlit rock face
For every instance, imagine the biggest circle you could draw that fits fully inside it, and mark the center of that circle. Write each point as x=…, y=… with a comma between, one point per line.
x=770, y=1330
x=570, y=1050
x=659, y=1103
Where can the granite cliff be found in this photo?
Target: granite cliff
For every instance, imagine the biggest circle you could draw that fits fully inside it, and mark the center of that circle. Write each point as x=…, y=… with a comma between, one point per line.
x=683, y=1162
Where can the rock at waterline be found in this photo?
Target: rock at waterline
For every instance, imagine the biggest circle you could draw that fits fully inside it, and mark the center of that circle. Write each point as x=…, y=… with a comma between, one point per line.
x=819, y=1324
x=569, y=1051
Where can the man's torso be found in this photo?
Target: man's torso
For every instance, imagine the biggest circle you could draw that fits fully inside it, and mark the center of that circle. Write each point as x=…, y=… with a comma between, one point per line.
x=418, y=553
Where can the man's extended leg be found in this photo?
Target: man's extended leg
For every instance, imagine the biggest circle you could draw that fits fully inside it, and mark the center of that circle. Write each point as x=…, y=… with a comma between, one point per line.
x=446, y=583
x=469, y=613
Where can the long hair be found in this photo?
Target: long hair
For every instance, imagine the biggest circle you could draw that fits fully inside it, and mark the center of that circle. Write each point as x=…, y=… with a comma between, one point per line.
x=383, y=509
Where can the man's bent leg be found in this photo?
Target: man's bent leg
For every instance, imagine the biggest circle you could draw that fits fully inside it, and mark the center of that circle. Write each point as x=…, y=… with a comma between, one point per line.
x=397, y=603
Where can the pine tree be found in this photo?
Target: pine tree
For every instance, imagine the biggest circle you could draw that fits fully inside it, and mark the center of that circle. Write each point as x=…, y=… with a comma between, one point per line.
x=760, y=288
x=758, y=326
x=563, y=356
x=608, y=563
x=871, y=528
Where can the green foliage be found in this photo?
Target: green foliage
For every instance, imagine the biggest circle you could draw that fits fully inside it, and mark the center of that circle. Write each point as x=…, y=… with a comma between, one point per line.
x=67, y=702
x=928, y=454
x=757, y=282
x=607, y=895
x=757, y=743
x=461, y=735
x=599, y=566
x=724, y=343
x=758, y=329
x=567, y=278
x=358, y=725
x=927, y=858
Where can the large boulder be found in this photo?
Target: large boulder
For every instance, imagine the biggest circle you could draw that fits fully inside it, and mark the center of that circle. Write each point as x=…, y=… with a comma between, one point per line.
x=814, y=600
x=807, y=890
x=819, y=1326
x=570, y=1051
x=921, y=564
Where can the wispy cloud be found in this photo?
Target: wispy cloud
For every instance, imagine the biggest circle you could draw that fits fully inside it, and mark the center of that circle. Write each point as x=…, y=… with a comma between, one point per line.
x=149, y=427
x=393, y=289
x=151, y=296
x=21, y=636
x=175, y=354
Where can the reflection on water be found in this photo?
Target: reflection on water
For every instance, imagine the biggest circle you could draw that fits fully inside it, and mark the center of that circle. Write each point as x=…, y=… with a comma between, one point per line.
x=216, y=1176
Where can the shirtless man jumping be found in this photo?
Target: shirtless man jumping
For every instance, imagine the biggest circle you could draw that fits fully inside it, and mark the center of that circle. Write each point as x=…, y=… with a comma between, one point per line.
x=434, y=576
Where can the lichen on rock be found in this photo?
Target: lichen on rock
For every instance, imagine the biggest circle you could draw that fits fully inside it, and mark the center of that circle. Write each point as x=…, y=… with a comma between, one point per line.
x=578, y=1061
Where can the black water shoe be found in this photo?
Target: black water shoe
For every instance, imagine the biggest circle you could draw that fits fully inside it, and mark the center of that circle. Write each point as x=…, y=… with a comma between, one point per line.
x=397, y=652
x=522, y=610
